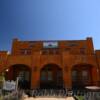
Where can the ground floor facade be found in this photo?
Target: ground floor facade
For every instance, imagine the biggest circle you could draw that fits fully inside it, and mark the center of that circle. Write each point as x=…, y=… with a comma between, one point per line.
x=52, y=74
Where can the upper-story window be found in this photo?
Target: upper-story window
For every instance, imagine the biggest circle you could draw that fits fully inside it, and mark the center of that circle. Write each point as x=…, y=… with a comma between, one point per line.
x=67, y=49
x=25, y=51
x=31, y=44
x=56, y=51
x=45, y=52
x=50, y=51
x=72, y=44
x=82, y=50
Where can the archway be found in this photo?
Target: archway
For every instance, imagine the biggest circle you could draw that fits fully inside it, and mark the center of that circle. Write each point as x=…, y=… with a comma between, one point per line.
x=20, y=71
x=51, y=76
x=81, y=76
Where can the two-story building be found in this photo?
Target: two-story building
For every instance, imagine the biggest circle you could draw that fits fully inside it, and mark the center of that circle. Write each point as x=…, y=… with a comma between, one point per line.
x=53, y=64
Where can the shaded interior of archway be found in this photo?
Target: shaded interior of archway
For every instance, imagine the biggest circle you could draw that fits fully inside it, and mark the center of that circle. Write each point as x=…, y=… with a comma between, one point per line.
x=51, y=76
x=22, y=73
x=81, y=76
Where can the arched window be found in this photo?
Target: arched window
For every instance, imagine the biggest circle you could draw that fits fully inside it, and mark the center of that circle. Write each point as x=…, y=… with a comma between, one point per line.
x=85, y=76
x=49, y=75
x=81, y=76
x=74, y=75
x=43, y=75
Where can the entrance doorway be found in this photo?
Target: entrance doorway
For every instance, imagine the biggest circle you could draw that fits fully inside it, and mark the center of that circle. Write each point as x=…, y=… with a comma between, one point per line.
x=81, y=76
x=51, y=76
x=20, y=72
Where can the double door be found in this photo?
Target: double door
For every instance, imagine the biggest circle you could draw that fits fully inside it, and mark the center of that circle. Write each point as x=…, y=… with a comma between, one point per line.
x=51, y=78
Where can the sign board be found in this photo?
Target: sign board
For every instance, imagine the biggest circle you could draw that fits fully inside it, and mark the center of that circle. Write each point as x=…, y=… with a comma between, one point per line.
x=50, y=44
x=9, y=86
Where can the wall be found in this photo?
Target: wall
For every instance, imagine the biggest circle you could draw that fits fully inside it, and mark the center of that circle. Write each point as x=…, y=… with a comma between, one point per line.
x=70, y=53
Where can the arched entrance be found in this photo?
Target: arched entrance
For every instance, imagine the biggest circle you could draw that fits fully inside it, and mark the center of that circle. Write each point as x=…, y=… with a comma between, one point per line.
x=81, y=76
x=22, y=72
x=51, y=76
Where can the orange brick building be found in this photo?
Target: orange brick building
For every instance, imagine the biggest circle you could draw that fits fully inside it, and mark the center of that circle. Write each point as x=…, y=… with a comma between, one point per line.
x=66, y=63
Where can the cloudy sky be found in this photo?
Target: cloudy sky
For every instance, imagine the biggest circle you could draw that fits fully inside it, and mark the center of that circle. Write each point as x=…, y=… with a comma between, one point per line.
x=49, y=20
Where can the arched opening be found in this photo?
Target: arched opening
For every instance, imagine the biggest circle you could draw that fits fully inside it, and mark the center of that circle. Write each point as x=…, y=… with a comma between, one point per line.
x=81, y=76
x=22, y=73
x=51, y=76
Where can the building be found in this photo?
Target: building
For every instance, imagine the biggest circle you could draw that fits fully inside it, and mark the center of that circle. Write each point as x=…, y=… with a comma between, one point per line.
x=53, y=64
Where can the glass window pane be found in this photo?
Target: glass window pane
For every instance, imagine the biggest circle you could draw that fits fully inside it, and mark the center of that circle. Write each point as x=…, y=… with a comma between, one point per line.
x=43, y=75
x=74, y=75
x=59, y=74
x=85, y=75
x=49, y=75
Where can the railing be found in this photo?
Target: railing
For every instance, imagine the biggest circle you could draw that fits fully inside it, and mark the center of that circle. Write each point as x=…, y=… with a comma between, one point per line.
x=49, y=93
x=57, y=93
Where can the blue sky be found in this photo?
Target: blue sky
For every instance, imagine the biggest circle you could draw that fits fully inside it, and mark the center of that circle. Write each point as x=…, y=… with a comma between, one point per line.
x=49, y=20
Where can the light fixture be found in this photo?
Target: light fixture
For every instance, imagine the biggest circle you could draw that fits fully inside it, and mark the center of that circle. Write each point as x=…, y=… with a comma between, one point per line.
x=7, y=70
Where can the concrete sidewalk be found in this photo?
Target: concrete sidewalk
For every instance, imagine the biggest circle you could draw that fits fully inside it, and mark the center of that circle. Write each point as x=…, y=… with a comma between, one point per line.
x=31, y=98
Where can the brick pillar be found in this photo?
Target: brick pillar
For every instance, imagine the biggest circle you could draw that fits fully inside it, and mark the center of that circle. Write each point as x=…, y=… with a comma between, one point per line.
x=35, y=78
x=67, y=78
x=95, y=76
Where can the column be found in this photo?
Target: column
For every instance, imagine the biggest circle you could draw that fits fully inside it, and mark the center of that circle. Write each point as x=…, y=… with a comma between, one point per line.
x=67, y=78
x=35, y=78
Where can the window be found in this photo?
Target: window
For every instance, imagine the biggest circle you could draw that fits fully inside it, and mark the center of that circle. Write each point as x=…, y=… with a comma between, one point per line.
x=43, y=75
x=44, y=52
x=25, y=51
x=74, y=75
x=49, y=75
x=56, y=51
x=22, y=51
x=82, y=50
x=28, y=52
x=68, y=49
x=72, y=44
x=84, y=75
x=59, y=73
x=50, y=51
x=31, y=44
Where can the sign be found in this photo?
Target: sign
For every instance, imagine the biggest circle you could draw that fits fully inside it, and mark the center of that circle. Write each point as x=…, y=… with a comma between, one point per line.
x=9, y=86
x=50, y=44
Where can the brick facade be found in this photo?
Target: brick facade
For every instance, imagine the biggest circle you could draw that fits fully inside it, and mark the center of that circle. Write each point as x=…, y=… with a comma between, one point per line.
x=77, y=60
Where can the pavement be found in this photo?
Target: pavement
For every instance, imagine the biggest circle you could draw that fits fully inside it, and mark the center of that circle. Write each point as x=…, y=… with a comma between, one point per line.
x=31, y=98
